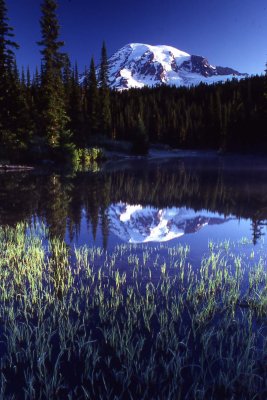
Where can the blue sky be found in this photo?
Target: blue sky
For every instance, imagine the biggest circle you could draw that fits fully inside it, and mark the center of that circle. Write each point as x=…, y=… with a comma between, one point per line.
x=229, y=33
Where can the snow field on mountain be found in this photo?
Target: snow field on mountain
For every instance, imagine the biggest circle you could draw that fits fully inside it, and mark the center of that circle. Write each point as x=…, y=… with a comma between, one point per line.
x=137, y=65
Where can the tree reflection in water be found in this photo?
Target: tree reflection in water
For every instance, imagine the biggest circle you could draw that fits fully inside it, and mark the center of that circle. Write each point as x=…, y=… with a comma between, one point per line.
x=222, y=185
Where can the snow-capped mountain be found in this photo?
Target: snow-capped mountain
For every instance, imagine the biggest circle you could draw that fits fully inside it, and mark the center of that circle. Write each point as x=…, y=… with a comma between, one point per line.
x=139, y=224
x=139, y=65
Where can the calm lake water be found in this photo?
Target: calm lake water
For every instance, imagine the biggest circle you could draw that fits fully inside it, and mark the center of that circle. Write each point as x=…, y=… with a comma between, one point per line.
x=191, y=198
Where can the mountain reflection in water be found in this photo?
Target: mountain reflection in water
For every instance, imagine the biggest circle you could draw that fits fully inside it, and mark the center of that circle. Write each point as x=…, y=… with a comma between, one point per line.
x=138, y=224
x=211, y=190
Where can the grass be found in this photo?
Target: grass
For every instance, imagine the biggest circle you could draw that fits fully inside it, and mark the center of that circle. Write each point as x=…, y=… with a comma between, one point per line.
x=131, y=324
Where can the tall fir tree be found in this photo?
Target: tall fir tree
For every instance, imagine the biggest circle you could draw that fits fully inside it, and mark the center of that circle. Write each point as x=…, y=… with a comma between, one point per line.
x=75, y=109
x=20, y=116
x=104, y=97
x=7, y=56
x=8, y=84
x=34, y=85
x=66, y=77
x=54, y=118
x=92, y=99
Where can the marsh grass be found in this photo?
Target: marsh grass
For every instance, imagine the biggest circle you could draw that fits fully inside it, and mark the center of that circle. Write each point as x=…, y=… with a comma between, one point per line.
x=129, y=324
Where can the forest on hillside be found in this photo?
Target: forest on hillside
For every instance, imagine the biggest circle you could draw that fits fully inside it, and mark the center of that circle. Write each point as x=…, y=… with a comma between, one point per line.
x=56, y=111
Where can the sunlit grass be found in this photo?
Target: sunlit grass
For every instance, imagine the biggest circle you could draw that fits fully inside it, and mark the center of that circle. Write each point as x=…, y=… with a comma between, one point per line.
x=131, y=324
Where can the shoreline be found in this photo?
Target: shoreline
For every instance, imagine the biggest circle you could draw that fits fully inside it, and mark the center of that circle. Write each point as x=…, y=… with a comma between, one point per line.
x=160, y=153
x=14, y=167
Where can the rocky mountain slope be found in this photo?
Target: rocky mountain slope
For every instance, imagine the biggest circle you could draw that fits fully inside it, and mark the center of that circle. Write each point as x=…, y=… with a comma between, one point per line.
x=139, y=65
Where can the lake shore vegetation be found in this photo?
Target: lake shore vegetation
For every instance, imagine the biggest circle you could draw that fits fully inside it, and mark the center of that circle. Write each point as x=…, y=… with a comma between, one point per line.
x=129, y=324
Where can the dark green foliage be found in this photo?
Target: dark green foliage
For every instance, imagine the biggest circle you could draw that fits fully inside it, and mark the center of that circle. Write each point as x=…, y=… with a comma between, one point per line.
x=10, y=96
x=103, y=73
x=67, y=81
x=7, y=47
x=54, y=118
x=140, y=139
x=219, y=116
x=84, y=159
x=74, y=102
x=92, y=99
x=104, y=94
x=75, y=111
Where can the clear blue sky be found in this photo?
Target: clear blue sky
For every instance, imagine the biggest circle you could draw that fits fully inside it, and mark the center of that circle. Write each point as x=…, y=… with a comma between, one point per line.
x=229, y=33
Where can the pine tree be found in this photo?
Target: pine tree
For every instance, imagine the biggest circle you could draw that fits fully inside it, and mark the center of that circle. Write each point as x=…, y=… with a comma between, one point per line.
x=54, y=117
x=140, y=139
x=92, y=99
x=34, y=87
x=67, y=82
x=75, y=110
x=105, y=113
x=21, y=113
x=8, y=137
x=28, y=108
x=7, y=47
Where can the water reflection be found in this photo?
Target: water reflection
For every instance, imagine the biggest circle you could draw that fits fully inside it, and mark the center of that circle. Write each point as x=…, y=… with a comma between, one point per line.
x=173, y=197
x=141, y=224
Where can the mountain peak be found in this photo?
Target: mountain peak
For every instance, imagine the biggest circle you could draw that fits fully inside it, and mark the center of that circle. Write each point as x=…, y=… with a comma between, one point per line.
x=139, y=65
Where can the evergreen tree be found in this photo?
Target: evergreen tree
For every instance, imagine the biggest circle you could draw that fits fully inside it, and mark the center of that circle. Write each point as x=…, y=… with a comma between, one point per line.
x=75, y=109
x=21, y=113
x=8, y=139
x=105, y=113
x=34, y=85
x=7, y=56
x=67, y=82
x=140, y=139
x=92, y=99
x=54, y=118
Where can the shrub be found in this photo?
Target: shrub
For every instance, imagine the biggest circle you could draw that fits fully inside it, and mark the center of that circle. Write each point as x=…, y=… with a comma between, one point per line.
x=83, y=159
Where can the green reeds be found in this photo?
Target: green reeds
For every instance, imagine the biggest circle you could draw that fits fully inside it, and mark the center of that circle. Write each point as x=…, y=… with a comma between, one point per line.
x=133, y=324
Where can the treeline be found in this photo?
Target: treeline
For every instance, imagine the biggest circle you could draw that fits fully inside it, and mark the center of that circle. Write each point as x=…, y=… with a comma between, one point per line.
x=54, y=112
x=226, y=116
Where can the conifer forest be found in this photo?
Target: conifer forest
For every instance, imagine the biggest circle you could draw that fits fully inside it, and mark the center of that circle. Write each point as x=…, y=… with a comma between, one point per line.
x=51, y=112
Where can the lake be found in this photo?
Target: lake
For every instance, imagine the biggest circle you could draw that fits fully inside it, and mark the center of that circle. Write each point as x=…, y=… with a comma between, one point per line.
x=167, y=300
x=189, y=198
